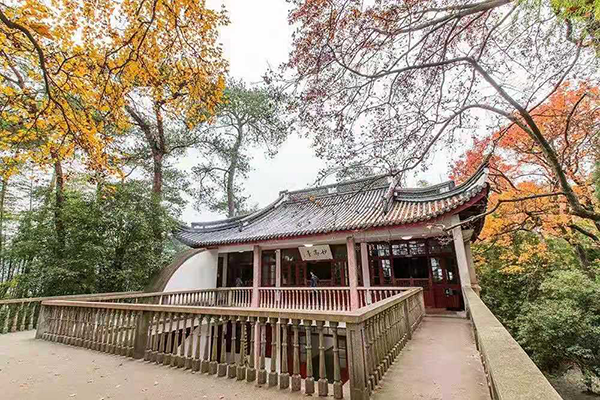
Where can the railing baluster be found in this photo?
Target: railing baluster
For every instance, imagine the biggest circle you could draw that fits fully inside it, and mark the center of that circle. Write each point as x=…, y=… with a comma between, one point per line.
x=169, y=346
x=241, y=369
x=262, y=372
x=231, y=367
x=296, y=378
x=284, y=377
x=251, y=370
x=162, y=343
x=309, y=382
x=181, y=340
x=337, y=377
x=212, y=367
x=150, y=338
x=222, y=368
x=322, y=384
x=129, y=333
x=273, y=373
x=15, y=319
x=197, y=337
x=120, y=333
x=206, y=358
x=373, y=381
x=189, y=341
x=106, y=331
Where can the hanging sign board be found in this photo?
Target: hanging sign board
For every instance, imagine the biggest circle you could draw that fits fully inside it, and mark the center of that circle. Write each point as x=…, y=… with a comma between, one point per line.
x=315, y=253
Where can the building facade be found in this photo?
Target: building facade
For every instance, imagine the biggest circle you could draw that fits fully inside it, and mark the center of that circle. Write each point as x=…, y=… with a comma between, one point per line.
x=363, y=236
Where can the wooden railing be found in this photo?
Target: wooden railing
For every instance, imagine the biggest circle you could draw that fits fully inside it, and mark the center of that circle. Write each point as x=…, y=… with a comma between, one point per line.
x=318, y=298
x=511, y=374
x=231, y=341
x=372, y=295
x=220, y=297
x=22, y=314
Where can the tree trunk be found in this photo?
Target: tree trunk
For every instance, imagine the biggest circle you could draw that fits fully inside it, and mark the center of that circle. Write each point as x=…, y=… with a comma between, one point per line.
x=155, y=138
x=2, y=202
x=59, y=224
x=235, y=154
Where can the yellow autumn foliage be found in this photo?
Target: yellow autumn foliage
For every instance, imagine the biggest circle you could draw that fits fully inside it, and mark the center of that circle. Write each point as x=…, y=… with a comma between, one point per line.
x=68, y=68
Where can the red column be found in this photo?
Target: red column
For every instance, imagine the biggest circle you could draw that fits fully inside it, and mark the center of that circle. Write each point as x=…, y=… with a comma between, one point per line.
x=257, y=275
x=256, y=283
x=352, y=272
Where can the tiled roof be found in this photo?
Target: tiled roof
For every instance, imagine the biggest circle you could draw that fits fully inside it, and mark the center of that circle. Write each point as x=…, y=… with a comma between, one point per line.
x=345, y=206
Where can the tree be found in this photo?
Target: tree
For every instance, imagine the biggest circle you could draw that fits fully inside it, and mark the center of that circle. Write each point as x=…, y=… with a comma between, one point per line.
x=525, y=192
x=389, y=82
x=108, y=246
x=70, y=76
x=250, y=117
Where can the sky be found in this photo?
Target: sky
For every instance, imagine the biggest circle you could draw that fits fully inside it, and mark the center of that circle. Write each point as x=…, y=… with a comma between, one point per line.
x=259, y=36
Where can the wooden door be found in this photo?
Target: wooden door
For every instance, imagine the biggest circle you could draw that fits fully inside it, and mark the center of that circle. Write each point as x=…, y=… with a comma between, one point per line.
x=445, y=283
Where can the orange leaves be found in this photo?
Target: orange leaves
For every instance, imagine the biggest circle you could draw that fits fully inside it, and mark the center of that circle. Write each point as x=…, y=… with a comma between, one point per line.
x=519, y=169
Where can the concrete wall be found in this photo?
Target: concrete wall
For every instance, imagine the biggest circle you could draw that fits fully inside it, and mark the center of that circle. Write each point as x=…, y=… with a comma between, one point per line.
x=197, y=272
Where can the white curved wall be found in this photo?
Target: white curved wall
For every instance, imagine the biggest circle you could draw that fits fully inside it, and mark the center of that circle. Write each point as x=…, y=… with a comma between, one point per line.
x=197, y=272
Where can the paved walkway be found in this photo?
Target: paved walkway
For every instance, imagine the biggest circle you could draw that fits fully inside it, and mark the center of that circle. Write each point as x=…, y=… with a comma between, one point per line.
x=440, y=362
x=39, y=370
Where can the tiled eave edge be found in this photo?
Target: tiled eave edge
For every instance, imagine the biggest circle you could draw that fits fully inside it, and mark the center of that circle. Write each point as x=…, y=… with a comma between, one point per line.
x=350, y=230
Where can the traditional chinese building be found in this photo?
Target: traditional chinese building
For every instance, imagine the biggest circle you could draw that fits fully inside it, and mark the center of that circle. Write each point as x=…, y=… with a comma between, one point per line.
x=362, y=236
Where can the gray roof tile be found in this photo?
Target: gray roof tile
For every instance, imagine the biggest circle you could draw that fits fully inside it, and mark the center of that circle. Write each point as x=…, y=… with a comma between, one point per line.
x=341, y=207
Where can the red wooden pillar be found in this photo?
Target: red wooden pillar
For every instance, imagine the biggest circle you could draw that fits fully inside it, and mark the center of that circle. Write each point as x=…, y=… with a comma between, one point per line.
x=256, y=283
x=352, y=272
x=366, y=271
x=256, y=276
x=278, y=268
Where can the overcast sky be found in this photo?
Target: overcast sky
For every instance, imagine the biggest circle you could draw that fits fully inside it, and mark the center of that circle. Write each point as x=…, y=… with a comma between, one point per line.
x=259, y=36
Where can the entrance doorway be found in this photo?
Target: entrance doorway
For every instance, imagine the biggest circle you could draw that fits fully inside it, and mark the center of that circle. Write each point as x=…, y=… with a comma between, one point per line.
x=430, y=264
x=445, y=283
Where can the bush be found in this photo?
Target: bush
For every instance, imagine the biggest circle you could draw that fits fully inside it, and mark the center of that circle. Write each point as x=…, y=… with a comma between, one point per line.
x=563, y=324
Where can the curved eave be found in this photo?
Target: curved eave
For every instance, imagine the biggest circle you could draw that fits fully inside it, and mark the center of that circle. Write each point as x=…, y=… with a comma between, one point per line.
x=466, y=199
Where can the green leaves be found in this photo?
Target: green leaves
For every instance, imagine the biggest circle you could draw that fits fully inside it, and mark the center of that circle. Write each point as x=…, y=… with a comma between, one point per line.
x=552, y=306
x=108, y=242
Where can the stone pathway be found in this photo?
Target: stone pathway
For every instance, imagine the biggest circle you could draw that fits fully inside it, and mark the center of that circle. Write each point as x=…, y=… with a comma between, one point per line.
x=440, y=362
x=38, y=370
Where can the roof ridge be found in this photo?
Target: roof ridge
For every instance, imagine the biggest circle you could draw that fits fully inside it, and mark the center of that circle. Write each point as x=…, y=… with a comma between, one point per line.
x=375, y=178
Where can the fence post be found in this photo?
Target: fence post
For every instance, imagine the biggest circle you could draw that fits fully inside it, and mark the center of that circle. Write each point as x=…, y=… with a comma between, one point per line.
x=42, y=322
x=407, y=319
x=141, y=334
x=356, y=361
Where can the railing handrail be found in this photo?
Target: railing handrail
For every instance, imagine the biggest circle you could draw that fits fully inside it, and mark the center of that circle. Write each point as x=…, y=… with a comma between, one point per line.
x=68, y=296
x=115, y=295
x=305, y=288
x=511, y=373
x=386, y=287
x=173, y=292
x=353, y=317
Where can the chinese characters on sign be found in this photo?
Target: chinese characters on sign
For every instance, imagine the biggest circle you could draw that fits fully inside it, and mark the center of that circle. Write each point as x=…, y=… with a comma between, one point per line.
x=321, y=252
